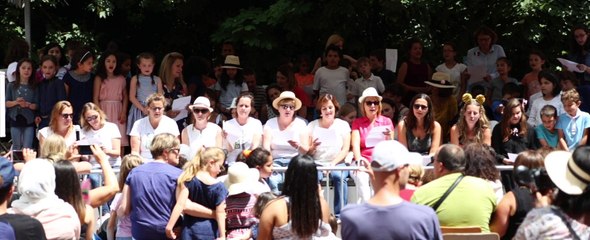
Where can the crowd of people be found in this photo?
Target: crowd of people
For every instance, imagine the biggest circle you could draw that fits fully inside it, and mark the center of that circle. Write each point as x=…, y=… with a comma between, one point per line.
x=202, y=147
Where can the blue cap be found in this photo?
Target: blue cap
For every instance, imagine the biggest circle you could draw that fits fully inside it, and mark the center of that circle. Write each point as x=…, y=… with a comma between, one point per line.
x=7, y=172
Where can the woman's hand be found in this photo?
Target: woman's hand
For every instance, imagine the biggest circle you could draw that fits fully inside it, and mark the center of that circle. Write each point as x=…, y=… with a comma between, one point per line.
x=294, y=144
x=388, y=134
x=172, y=113
x=122, y=118
x=313, y=146
x=98, y=153
x=29, y=154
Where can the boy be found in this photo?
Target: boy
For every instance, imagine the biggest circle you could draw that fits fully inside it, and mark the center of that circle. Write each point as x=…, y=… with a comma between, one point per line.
x=503, y=66
x=546, y=132
x=509, y=91
x=572, y=125
x=367, y=79
x=331, y=78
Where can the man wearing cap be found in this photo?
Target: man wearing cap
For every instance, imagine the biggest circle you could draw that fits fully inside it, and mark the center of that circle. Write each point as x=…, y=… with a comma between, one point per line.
x=470, y=203
x=386, y=215
x=25, y=227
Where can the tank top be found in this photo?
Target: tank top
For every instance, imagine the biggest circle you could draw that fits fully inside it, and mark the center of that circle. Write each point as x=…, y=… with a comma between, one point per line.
x=415, y=144
x=524, y=203
x=417, y=74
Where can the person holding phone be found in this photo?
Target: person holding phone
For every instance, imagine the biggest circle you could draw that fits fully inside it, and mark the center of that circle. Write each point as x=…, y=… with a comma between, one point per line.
x=367, y=131
x=61, y=123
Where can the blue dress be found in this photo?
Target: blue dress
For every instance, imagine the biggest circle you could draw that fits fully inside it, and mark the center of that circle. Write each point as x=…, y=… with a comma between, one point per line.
x=146, y=86
x=81, y=88
x=209, y=196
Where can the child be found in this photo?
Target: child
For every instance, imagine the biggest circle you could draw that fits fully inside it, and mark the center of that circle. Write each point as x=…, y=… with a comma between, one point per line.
x=21, y=103
x=261, y=203
x=141, y=86
x=573, y=123
x=122, y=224
x=414, y=181
x=332, y=78
x=348, y=113
x=367, y=79
x=51, y=90
x=550, y=89
x=456, y=70
x=242, y=194
x=110, y=93
x=503, y=66
x=567, y=80
x=530, y=80
x=198, y=181
x=78, y=81
x=230, y=84
x=546, y=132
x=509, y=91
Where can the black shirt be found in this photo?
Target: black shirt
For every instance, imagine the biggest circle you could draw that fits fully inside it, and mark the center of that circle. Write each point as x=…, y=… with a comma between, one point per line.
x=25, y=227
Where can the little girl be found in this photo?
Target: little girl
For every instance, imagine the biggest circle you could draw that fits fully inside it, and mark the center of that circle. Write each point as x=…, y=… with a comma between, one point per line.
x=51, y=90
x=231, y=83
x=198, y=181
x=122, y=223
x=21, y=102
x=110, y=93
x=261, y=202
x=141, y=86
x=78, y=81
x=531, y=81
x=550, y=89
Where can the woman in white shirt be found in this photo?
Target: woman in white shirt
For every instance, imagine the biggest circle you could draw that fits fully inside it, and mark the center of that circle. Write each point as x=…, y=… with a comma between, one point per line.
x=242, y=132
x=97, y=130
x=331, y=144
x=201, y=133
x=285, y=136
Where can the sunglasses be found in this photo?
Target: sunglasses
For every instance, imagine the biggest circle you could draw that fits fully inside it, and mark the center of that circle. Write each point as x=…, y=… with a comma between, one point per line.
x=91, y=118
x=285, y=107
x=155, y=109
x=67, y=115
x=200, y=110
x=420, y=106
x=175, y=150
x=370, y=103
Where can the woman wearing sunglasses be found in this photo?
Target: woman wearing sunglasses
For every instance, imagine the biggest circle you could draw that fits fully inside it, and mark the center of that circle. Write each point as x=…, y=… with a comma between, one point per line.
x=61, y=123
x=285, y=136
x=367, y=131
x=97, y=130
x=143, y=131
x=202, y=133
x=418, y=131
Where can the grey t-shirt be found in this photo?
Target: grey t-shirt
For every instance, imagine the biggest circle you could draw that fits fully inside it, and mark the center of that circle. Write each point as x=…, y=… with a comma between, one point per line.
x=400, y=221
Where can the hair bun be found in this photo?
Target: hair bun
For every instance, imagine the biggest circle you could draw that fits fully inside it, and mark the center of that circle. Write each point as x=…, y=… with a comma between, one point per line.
x=480, y=99
x=467, y=97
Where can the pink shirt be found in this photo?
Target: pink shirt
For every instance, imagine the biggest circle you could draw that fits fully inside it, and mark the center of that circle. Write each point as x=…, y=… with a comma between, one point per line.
x=363, y=125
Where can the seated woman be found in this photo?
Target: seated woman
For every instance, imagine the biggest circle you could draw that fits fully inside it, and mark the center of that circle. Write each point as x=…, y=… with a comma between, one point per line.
x=418, y=131
x=473, y=125
x=243, y=132
x=300, y=213
x=285, y=136
x=143, y=130
x=331, y=144
x=36, y=184
x=513, y=134
x=201, y=133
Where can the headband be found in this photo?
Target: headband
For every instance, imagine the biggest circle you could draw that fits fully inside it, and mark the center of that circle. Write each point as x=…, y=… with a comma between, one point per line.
x=468, y=98
x=83, y=56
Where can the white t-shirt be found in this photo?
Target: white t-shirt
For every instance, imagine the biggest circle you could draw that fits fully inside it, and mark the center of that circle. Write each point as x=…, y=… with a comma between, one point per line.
x=144, y=130
x=331, y=139
x=332, y=81
x=279, y=145
x=455, y=73
x=197, y=139
x=104, y=136
x=538, y=104
x=240, y=136
x=70, y=139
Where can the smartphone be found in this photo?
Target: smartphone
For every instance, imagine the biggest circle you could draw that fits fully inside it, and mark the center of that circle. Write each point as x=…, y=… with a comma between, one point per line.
x=17, y=156
x=84, y=150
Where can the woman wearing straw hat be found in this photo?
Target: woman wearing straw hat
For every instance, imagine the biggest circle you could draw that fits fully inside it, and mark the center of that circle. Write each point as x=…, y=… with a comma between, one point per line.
x=201, y=133
x=444, y=103
x=567, y=216
x=367, y=131
x=231, y=82
x=285, y=136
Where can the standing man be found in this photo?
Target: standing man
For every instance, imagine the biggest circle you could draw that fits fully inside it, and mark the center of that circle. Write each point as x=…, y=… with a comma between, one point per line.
x=386, y=215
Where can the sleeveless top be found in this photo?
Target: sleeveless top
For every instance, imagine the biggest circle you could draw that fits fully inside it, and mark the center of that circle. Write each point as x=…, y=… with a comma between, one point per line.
x=286, y=232
x=417, y=74
x=415, y=144
x=524, y=203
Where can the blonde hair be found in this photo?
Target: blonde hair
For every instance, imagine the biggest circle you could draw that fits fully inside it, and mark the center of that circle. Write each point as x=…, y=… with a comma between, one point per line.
x=91, y=106
x=56, y=113
x=53, y=148
x=166, y=68
x=416, y=174
x=333, y=39
x=481, y=124
x=570, y=95
x=155, y=97
x=200, y=162
x=161, y=142
x=128, y=162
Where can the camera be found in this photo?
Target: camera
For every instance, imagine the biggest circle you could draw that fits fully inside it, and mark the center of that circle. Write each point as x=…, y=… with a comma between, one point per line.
x=536, y=179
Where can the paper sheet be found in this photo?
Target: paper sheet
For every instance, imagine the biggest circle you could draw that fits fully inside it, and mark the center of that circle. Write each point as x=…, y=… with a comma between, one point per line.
x=426, y=159
x=571, y=66
x=477, y=74
x=325, y=136
x=180, y=104
x=512, y=157
x=375, y=136
x=391, y=59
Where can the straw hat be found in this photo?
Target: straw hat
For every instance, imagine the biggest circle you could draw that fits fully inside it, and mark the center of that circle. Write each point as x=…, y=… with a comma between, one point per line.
x=369, y=92
x=240, y=178
x=440, y=80
x=231, y=61
x=287, y=95
x=202, y=102
x=566, y=170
